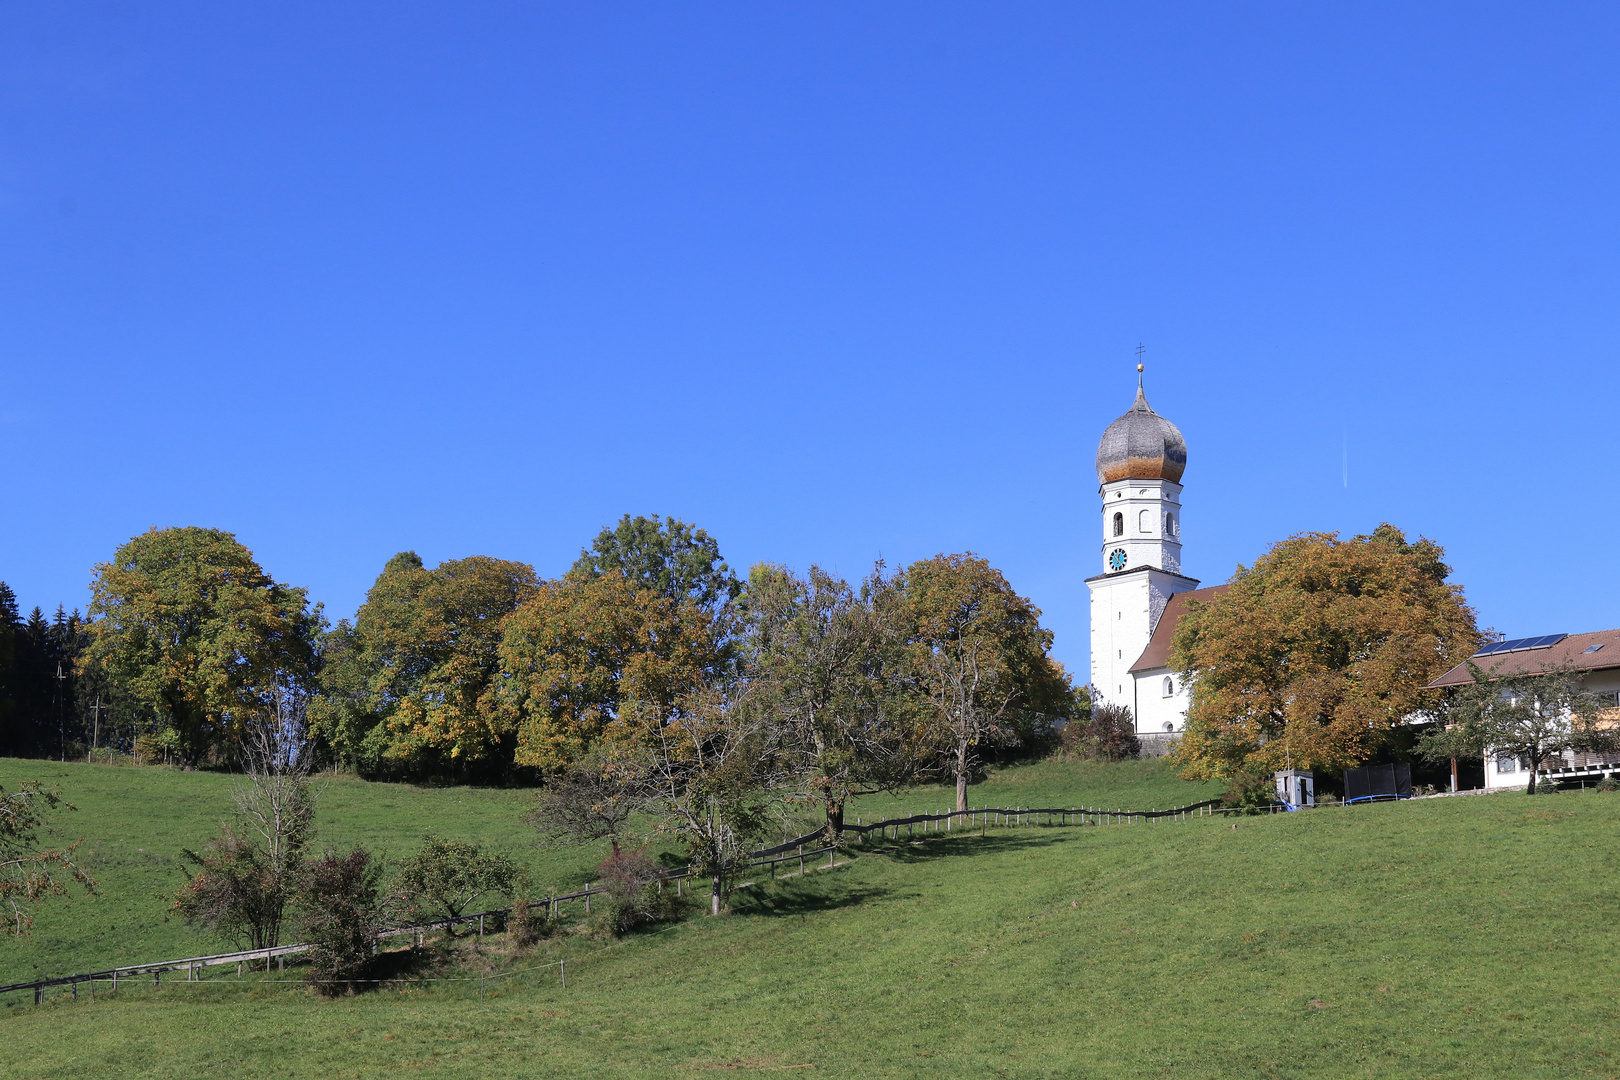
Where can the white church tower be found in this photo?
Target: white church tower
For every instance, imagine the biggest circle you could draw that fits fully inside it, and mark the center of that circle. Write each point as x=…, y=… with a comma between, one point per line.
x=1139, y=464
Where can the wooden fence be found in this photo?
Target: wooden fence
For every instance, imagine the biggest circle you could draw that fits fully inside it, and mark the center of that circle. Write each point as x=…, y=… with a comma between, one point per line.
x=797, y=850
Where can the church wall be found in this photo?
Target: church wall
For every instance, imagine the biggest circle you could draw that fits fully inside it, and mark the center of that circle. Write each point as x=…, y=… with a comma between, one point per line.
x=1153, y=709
x=1120, y=610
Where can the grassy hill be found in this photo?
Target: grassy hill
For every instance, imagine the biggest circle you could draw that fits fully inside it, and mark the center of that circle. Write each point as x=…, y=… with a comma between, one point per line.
x=1450, y=937
x=135, y=821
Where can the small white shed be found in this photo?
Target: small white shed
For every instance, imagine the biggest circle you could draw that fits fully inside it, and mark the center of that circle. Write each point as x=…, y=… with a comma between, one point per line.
x=1296, y=787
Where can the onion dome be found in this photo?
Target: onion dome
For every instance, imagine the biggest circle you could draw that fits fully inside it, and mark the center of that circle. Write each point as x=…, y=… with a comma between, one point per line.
x=1141, y=445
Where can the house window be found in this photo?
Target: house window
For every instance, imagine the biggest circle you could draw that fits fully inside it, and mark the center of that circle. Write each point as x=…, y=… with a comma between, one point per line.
x=1507, y=764
x=1119, y=524
x=1169, y=726
x=1169, y=687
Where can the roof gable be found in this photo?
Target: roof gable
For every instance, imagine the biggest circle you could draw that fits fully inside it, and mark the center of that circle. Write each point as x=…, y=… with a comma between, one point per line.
x=1157, y=653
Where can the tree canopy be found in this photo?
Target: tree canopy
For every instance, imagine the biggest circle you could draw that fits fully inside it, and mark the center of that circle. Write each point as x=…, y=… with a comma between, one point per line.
x=979, y=660
x=663, y=555
x=578, y=649
x=189, y=624
x=1317, y=651
x=407, y=683
x=829, y=667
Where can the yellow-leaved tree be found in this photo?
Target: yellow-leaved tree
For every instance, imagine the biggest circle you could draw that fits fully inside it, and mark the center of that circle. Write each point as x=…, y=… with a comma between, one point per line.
x=1316, y=652
x=405, y=685
x=579, y=649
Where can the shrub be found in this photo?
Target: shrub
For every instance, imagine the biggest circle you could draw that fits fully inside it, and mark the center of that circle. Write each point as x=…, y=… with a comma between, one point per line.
x=528, y=924
x=1608, y=783
x=444, y=878
x=1109, y=734
x=1250, y=791
x=236, y=891
x=633, y=897
x=341, y=910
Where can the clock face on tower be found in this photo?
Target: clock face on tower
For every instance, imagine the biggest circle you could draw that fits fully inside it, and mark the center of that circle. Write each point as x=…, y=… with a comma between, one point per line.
x=1116, y=560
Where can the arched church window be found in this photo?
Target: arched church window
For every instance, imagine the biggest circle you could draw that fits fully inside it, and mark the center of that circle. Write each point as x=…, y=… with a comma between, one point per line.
x=1143, y=521
x=1169, y=687
x=1119, y=524
x=1169, y=524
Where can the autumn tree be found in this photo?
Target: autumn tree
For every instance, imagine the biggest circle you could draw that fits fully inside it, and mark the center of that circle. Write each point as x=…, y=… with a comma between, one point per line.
x=242, y=884
x=665, y=556
x=707, y=768
x=579, y=648
x=403, y=686
x=979, y=660
x=827, y=666
x=1317, y=651
x=1530, y=717
x=187, y=623
x=30, y=872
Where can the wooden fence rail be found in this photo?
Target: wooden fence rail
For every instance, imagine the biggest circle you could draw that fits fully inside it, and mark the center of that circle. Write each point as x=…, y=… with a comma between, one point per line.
x=794, y=850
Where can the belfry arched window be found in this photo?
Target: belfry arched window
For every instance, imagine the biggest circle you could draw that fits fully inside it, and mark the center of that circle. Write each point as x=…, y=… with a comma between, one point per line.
x=1144, y=521
x=1119, y=524
x=1169, y=524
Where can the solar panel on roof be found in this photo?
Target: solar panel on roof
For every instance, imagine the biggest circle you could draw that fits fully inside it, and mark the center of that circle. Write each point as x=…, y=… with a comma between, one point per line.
x=1521, y=644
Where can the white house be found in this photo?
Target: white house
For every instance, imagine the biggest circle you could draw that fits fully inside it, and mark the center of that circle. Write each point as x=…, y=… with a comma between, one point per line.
x=1596, y=655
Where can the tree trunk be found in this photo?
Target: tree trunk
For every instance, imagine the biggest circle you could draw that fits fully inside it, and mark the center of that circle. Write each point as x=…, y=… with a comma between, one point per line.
x=835, y=820
x=714, y=897
x=961, y=776
x=1535, y=765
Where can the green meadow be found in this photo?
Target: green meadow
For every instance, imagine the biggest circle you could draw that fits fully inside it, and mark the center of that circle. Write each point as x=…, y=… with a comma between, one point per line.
x=1445, y=937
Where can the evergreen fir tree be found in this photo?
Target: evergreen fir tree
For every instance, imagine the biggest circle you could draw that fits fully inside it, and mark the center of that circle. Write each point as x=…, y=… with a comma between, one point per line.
x=10, y=627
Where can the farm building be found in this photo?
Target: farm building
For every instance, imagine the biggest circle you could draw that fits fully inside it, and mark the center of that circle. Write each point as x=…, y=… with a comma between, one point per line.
x=1595, y=655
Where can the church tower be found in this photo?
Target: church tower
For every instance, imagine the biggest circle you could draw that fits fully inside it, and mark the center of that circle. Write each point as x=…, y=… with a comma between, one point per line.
x=1139, y=465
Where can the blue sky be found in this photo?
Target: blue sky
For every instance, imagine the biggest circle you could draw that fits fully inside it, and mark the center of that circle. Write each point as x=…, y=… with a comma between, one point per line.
x=834, y=281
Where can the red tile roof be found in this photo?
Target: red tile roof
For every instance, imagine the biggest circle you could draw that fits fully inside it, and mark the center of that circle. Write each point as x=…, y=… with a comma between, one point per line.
x=1157, y=653
x=1569, y=655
